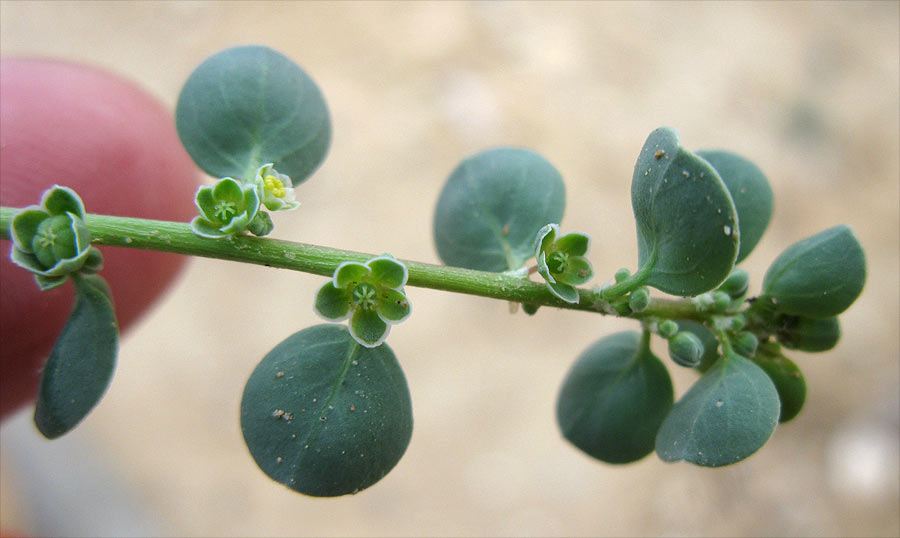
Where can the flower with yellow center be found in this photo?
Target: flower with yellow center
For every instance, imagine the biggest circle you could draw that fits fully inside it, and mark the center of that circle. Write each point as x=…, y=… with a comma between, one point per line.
x=275, y=190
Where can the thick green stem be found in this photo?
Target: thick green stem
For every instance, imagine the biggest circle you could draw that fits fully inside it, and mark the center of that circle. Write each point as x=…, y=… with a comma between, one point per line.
x=165, y=236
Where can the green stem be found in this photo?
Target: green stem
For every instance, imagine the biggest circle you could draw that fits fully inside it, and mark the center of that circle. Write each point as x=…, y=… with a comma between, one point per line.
x=165, y=236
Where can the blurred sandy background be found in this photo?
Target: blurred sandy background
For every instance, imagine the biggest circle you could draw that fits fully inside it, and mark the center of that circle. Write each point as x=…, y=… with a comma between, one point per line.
x=809, y=91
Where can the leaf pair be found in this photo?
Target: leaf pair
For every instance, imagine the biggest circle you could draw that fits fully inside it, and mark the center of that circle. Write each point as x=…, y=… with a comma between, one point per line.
x=697, y=214
x=616, y=405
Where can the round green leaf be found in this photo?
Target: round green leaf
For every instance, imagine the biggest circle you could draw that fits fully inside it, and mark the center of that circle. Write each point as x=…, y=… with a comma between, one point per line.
x=614, y=399
x=492, y=207
x=787, y=378
x=819, y=276
x=325, y=416
x=248, y=106
x=686, y=220
x=750, y=192
x=81, y=363
x=725, y=417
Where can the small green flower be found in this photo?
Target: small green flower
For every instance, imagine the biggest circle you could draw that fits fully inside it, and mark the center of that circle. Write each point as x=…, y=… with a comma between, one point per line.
x=226, y=208
x=370, y=294
x=562, y=261
x=52, y=241
x=275, y=190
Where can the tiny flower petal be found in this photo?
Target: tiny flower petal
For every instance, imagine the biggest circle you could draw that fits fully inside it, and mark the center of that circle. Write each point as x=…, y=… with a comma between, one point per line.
x=228, y=189
x=204, y=228
x=50, y=282
x=545, y=237
x=205, y=202
x=564, y=291
x=388, y=272
x=393, y=306
x=24, y=226
x=543, y=270
x=574, y=244
x=349, y=274
x=333, y=303
x=367, y=328
x=577, y=272
x=68, y=265
x=25, y=260
x=61, y=200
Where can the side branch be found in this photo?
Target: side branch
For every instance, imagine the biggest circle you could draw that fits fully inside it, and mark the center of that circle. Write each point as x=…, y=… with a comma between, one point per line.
x=177, y=237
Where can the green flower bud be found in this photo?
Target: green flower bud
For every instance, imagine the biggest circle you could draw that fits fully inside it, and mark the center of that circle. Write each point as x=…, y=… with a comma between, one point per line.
x=562, y=261
x=745, y=343
x=737, y=322
x=639, y=299
x=622, y=275
x=261, y=224
x=808, y=334
x=721, y=300
x=736, y=284
x=686, y=349
x=668, y=329
x=52, y=240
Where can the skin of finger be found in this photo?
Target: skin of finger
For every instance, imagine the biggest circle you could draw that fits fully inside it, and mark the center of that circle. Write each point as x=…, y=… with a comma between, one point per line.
x=81, y=127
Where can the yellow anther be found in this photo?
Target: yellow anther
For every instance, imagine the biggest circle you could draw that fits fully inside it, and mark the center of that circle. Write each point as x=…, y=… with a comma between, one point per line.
x=274, y=185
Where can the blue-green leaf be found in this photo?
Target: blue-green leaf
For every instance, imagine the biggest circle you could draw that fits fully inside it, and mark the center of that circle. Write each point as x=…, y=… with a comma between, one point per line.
x=248, y=106
x=686, y=220
x=614, y=399
x=81, y=363
x=750, y=192
x=725, y=417
x=492, y=207
x=325, y=416
x=786, y=376
x=818, y=277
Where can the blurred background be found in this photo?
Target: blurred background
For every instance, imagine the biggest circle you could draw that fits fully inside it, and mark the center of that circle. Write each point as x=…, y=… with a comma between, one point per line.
x=809, y=91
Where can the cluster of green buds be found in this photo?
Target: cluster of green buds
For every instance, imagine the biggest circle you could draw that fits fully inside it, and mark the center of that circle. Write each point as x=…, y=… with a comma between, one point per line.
x=231, y=207
x=370, y=294
x=562, y=261
x=52, y=241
